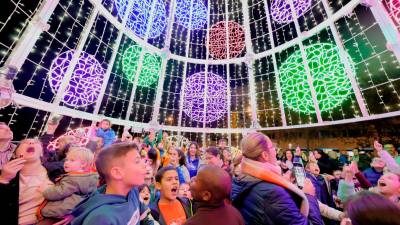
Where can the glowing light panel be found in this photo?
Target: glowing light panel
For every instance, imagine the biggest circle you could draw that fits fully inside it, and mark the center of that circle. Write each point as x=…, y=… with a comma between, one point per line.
x=199, y=14
x=215, y=97
x=281, y=11
x=84, y=86
x=217, y=43
x=81, y=134
x=329, y=79
x=151, y=66
x=139, y=16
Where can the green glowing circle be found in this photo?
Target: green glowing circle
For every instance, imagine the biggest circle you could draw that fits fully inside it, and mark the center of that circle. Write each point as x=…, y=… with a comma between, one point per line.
x=331, y=84
x=151, y=66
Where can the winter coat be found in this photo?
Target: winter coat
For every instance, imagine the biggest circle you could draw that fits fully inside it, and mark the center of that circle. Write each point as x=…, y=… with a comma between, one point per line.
x=108, y=136
x=372, y=175
x=156, y=212
x=105, y=209
x=215, y=214
x=9, y=204
x=67, y=193
x=264, y=203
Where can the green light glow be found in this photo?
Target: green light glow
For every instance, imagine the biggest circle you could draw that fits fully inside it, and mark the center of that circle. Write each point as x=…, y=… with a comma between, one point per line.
x=151, y=66
x=331, y=84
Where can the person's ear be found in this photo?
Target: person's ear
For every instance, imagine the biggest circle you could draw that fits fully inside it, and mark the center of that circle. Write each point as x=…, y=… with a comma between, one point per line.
x=264, y=156
x=116, y=173
x=206, y=196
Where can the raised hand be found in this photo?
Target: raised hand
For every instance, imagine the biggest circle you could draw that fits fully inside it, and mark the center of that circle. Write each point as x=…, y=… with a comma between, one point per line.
x=378, y=146
x=10, y=169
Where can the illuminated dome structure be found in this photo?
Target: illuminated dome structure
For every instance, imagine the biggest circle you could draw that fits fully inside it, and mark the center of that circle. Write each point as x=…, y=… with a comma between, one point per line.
x=203, y=68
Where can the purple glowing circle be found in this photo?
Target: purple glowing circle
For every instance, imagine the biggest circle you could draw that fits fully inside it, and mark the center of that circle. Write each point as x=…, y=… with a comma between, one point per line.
x=216, y=97
x=281, y=10
x=84, y=86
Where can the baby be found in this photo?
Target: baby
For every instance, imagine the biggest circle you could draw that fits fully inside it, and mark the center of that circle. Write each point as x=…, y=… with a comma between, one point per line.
x=73, y=187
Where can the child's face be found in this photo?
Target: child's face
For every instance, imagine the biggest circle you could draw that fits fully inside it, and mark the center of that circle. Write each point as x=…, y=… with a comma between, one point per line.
x=389, y=184
x=212, y=160
x=30, y=149
x=227, y=155
x=173, y=156
x=105, y=125
x=337, y=174
x=314, y=169
x=184, y=191
x=134, y=169
x=192, y=150
x=144, y=195
x=169, y=185
x=73, y=164
x=378, y=163
x=5, y=132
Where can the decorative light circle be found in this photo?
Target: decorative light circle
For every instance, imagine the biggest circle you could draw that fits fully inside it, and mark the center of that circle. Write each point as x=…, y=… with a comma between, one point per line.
x=178, y=140
x=82, y=135
x=215, y=97
x=331, y=84
x=199, y=14
x=217, y=43
x=151, y=66
x=281, y=10
x=139, y=17
x=84, y=86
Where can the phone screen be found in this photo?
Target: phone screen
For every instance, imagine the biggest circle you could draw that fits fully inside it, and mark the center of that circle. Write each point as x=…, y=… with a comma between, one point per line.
x=299, y=174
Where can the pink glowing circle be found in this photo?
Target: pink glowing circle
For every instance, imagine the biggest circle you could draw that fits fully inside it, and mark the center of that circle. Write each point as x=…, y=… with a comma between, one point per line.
x=217, y=43
x=394, y=10
x=82, y=135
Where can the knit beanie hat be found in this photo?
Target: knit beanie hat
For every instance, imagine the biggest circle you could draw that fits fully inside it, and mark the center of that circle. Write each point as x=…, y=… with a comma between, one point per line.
x=254, y=144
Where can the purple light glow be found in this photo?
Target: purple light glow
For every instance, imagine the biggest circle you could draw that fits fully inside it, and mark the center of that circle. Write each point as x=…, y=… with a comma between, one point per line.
x=84, y=86
x=216, y=97
x=281, y=11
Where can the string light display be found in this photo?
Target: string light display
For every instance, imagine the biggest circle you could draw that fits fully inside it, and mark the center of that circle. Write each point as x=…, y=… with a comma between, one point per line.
x=84, y=85
x=329, y=79
x=199, y=101
x=281, y=11
x=139, y=16
x=81, y=134
x=218, y=39
x=189, y=45
x=151, y=66
x=199, y=13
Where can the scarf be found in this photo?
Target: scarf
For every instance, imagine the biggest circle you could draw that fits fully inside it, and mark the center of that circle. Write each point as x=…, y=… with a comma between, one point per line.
x=272, y=174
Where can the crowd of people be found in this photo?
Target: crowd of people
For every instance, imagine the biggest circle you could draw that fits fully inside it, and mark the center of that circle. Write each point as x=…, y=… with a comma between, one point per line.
x=150, y=180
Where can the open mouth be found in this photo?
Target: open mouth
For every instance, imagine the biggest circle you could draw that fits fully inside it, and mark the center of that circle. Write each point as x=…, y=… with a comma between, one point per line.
x=174, y=190
x=382, y=184
x=30, y=150
x=146, y=198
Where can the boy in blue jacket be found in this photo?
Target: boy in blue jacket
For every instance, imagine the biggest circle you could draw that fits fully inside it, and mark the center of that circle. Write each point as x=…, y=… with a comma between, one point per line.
x=117, y=202
x=106, y=132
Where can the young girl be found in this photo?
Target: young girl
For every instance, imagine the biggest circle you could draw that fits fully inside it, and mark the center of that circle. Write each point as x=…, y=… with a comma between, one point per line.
x=21, y=182
x=177, y=160
x=193, y=159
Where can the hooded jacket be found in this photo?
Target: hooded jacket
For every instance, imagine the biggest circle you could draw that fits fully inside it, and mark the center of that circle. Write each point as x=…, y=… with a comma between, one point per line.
x=108, y=136
x=107, y=209
x=67, y=193
x=273, y=201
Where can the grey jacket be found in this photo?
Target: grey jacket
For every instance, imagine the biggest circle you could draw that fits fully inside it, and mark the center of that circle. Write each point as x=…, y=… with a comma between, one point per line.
x=67, y=193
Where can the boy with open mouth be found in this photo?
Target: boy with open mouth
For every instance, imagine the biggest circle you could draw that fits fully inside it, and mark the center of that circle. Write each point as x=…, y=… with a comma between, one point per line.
x=170, y=209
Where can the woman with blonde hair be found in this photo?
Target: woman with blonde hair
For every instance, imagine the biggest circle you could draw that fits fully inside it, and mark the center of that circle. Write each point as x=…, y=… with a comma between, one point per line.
x=263, y=195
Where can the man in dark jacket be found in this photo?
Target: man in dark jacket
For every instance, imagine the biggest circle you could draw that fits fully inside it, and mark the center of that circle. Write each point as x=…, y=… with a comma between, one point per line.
x=261, y=193
x=210, y=188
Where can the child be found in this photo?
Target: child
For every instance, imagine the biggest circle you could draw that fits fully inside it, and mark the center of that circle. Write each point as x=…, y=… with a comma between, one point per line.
x=21, y=182
x=184, y=191
x=117, y=202
x=210, y=187
x=105, y=132
x=170, y=209
x=375, y=171
x=177, y=160
x=144, y=194
x=73, y=187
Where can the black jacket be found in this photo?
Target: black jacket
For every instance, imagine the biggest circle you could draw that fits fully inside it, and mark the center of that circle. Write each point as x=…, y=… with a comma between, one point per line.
x=262, y=203
x=9, y=204
x=155, y=210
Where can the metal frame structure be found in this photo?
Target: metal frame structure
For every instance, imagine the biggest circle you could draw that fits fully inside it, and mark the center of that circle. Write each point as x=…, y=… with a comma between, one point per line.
x=29, y=38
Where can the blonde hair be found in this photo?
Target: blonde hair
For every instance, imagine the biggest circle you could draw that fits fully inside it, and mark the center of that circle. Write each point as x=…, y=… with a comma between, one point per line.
x=254, y=144
x=81, y=153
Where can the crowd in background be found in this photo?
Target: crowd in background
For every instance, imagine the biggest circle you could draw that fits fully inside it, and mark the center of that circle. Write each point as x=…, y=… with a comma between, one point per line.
x=151, y=180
